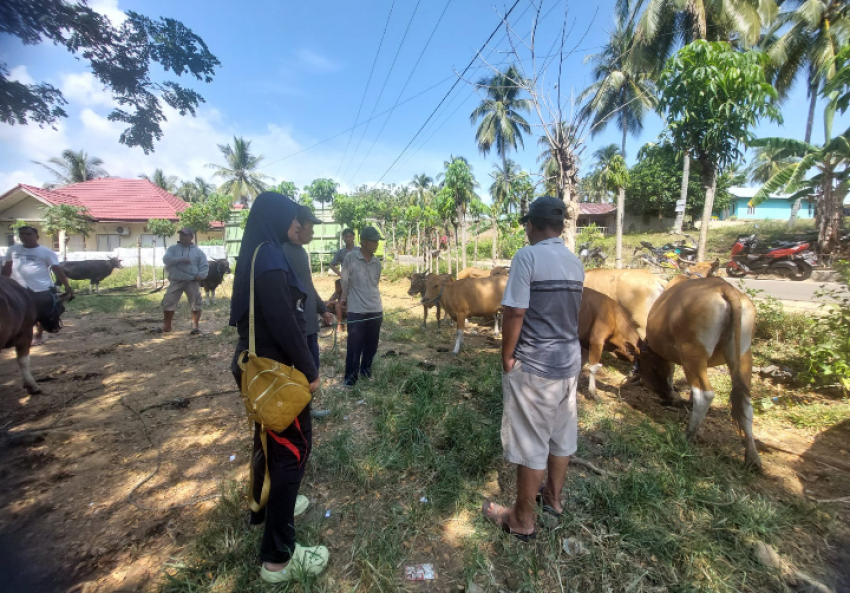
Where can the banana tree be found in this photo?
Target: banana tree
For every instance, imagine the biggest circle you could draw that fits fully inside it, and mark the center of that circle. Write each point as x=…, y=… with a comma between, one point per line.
x=821, y=171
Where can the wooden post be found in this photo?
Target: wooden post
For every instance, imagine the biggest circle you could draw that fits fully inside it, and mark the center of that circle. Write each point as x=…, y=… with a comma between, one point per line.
x=139, y=253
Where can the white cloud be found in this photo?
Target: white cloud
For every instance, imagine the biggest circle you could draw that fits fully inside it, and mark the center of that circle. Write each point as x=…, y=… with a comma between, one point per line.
x=109, y=9
x=317, y=61
x=20, y=74
x=83, y=88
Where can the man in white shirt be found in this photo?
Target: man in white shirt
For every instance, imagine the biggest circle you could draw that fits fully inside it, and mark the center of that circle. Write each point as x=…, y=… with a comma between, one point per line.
x=30, y=264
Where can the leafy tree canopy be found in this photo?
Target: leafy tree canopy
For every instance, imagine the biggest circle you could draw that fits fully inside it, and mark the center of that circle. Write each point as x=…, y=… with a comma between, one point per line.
x=74, y=220
x=322, y=190
x=120, y=57
x=161, y=227
x=713, y=97
x=655, y=182
x=196, y=217
x=352, y=211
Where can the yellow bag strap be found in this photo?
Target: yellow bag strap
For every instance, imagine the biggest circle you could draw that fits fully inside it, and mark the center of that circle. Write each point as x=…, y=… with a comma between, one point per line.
x=264, y=495
x=252, y=345
x=252, y=351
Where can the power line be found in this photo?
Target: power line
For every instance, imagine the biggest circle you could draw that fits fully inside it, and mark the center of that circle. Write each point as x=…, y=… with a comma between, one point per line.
x=468, y=66
x=363, y=98
x=406, y=82
x=355, y=126
x=384, y=86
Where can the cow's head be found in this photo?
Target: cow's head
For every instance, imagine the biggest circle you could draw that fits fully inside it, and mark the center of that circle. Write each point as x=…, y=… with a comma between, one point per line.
x=702, y=269
x=222, y=265
x=116, y=263
x=655, y=371
x=500, y=271
x=52, y=321
x=434, y=286
x=417, y=283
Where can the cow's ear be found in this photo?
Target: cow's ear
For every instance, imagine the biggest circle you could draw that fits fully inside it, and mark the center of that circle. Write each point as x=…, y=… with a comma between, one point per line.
x=714, y=267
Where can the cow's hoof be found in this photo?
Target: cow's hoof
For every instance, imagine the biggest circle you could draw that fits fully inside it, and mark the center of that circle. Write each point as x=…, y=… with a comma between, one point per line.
x=32, y=389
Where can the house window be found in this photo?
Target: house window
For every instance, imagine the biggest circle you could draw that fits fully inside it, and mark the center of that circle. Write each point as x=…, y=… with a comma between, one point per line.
x=108, y=242
x=76, y=243
x=148, y=240
x=734, y=209
x=10, y=239
x=811, y=207
x=751, y=209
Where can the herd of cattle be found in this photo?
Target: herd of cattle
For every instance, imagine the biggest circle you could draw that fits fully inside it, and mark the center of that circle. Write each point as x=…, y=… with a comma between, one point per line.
x=695, y=320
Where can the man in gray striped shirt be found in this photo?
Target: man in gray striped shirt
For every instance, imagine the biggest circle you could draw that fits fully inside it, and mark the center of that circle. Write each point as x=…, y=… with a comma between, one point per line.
x=541, y=360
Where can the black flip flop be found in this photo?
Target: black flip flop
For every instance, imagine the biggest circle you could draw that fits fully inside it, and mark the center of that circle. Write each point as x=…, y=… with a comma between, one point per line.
x=523, y=537
x=545, y=507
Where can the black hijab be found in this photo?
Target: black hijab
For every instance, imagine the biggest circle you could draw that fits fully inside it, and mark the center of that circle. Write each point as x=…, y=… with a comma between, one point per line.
x=269, y=220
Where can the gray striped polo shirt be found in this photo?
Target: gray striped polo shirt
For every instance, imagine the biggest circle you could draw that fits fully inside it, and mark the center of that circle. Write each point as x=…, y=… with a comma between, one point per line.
x=546, y=279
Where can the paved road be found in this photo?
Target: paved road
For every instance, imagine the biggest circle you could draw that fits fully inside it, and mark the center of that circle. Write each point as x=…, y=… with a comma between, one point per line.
x=787, y=290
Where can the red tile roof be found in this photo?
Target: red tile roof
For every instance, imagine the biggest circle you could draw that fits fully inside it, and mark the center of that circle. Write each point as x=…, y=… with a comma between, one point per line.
x=121, y=200
x=588, y=208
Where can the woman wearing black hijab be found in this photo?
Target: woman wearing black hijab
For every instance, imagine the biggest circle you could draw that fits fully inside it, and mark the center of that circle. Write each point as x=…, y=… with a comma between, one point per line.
x=280, y=334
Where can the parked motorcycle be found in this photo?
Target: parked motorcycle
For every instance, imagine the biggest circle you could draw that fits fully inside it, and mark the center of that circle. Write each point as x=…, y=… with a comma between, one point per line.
x=666, y=256
x=591, y=256
x=685, y=248
x=788, y=259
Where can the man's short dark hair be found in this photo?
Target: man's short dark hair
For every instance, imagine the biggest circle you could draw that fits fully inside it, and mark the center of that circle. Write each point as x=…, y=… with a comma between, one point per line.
x=27, y=228
x=347, y=232
x=541, y=224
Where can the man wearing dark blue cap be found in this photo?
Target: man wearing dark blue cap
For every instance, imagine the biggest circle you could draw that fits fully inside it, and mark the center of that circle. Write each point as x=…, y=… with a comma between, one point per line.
x=361, y=273
x=541, y=361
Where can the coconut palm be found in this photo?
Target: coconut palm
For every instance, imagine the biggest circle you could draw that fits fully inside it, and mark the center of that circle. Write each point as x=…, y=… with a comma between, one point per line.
x=241, y=178
x=73, y=167
x=549, y=163
x=830, y=182
x=502, y=192
x=623, y=91
x=196, y=191
x=766, y=163
x=502, y=124
x=421, y=185
x=162, y=181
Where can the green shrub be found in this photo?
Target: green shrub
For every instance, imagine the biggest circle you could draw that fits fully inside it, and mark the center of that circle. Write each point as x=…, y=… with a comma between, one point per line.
x=773, y=322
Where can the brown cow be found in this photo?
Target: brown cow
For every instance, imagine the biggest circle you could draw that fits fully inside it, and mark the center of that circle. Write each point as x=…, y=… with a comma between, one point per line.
x=417, y=287
x=472, y=273
x=500, y=271
x=695, y=271
x=462, y=299
x=603, y=325
x=700, y=324
x=19, y=311
x=634, y=290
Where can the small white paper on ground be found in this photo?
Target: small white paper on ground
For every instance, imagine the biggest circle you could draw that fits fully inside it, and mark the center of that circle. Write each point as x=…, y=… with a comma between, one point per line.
x=423, y=499
x=419, y=572
x=233, y=458
x=327, y=514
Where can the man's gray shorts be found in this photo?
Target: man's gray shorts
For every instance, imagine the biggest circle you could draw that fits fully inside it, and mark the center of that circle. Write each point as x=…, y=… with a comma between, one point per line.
x=175, y=290
x=539, y=417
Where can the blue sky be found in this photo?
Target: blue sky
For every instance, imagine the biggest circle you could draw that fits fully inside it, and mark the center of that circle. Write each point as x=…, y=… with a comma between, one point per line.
x=294, y=73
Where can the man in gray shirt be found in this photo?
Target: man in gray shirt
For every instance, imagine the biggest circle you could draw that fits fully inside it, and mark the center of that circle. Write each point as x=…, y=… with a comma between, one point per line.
x=541, y=361
x=298, y=258
x=186, y=265
x=339, y=256
x=361, y=273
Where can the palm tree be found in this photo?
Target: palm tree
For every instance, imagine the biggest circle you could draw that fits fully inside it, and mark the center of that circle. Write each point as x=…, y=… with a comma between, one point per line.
x=196, y=191
x=502, y=124
x=814, y=32
x=613, y=175
x=422, y=185
x=241, y=178
x=623, y=91
x=766, y=163
x=74, y=167
x=830, y=183
x=162, y=181
x=501, y=190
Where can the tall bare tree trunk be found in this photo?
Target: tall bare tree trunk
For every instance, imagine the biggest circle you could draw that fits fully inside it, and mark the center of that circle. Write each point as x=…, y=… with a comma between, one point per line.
x=448, y=250
x=477, y=232
x=709, y=182
x=813, y=99
x=63, y=245
x=139, y=253
x=621, y=206
x=829, y=215
x=418, y=244
x=463, y=238
x=683, y=194
x=495, y=238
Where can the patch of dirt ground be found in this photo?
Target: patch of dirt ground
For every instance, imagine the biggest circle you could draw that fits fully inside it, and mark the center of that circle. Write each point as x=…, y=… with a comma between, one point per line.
x=110, y=471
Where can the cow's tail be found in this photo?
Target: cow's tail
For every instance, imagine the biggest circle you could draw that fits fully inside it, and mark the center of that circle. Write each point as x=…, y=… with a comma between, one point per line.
x=740, y=385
